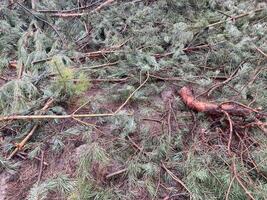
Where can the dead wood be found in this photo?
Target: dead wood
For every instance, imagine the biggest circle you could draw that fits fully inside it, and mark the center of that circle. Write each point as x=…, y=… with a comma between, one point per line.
x=232, y=108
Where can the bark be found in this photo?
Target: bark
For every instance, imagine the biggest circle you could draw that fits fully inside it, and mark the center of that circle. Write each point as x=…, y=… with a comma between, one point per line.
x=212, y=108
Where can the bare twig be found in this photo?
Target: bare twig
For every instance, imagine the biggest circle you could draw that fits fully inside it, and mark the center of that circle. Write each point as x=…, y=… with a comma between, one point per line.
x=26, y=117
x=235, y=17
x=171, y=79
x=37, y=17
x=20, y=145
x=261, y=52
x=230, y=131
x=155, y=194
x=70, y=10
x=241, y=183
x=131, y=95
x=116, y=173
x=72, y=116
x=99, y=66
x=93, y=54
x=137, y=146
x=66, y=15
x=229, y=189
x=177, y=179
x=24, y=156
x=103, y=5
x=20, y=73
x=41, y=168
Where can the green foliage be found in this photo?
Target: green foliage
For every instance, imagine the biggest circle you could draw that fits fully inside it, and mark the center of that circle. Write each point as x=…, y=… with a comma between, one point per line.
x=61, y=184
x=164, y=38
x=64, y=84
x=9, y=166
x=17, y=96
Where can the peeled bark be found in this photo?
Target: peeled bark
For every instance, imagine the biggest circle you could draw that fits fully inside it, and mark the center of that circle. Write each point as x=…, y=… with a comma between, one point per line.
x=212, y=108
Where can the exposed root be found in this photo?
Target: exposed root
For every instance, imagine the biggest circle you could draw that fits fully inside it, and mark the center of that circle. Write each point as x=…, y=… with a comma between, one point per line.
x=213, y=108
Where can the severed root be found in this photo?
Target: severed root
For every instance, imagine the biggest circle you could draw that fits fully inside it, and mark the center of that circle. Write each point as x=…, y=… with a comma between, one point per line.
x=232, y=108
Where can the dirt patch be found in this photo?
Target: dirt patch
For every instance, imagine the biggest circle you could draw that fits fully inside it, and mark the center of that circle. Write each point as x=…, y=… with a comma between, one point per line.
x=3, y=185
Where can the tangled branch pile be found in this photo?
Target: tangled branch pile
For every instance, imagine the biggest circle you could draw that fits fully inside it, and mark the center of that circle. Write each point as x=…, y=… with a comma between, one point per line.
x=97, y=99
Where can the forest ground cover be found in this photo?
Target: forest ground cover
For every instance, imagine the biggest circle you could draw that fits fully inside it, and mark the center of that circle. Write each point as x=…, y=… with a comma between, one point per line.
x=152, y=99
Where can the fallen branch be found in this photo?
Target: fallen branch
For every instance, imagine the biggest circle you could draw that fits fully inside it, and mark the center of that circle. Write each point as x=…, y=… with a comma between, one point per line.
x=93, y=54
x=41, y=19
x=73, y=115
x=231, y=108
x=20, y=145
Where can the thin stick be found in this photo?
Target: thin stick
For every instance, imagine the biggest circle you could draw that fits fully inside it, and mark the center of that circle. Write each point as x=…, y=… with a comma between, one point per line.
x=155, y=194
x=37, y=17
x=229, y=189
x=99, y=66
x=235, y=17
x=172, y=79
x=136, y=146
x=116, y=173
x=85, y=123
x=130, y=96
x=20, y=71
x=230, y=133
x=24, y=156
x=66, y=11
x=240, y=104
x=109, y=80
x=66, y=15
x=261, y=52
x=24, y=117
x=240, y=182
x=103, y=5
x=84, y=104
x=176, y=179
x=25, y=140
x=41, y=168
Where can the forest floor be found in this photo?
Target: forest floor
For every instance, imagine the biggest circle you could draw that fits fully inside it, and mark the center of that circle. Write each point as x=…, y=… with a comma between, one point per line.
x=152, y=99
